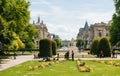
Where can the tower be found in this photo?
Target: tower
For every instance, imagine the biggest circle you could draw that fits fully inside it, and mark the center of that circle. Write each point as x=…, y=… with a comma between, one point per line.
x=86, y=27
x=38, y=19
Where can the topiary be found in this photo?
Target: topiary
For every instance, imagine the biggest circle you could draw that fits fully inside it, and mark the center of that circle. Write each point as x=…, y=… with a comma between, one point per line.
x=104, y=45
x=54, y=47
x=45, y=48
x=94, y=46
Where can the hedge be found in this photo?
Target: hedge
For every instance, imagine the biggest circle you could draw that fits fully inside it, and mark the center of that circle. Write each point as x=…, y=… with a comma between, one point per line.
x=45, y=48
x=54, y=47
x=104, y=45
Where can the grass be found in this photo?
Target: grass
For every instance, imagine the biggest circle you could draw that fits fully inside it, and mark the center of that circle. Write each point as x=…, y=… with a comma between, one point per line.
x=67, y=68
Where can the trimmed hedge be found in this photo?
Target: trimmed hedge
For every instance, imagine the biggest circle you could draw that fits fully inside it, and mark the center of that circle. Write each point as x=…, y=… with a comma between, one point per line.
x=54, y=47
x=45, y=48
x=94, y=47
x=104, y=45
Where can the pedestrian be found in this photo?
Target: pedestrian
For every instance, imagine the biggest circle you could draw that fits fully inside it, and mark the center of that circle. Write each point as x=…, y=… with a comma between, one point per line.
x=101, y=54
x=72, y=55
x=58, y=56
x=113, y=54
x=67, y=55
x=14, y=55
x=34, y=56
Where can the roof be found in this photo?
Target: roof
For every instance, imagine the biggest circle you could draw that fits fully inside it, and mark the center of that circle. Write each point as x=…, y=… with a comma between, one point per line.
x=86, y=27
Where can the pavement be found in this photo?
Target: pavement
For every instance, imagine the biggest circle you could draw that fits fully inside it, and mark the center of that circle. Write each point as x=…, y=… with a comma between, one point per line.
x=12, y=62
x=23, y=58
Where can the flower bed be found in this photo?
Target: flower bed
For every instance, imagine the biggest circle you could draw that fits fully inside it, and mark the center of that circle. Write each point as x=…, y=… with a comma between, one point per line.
x=108, y=62
x=82, y=67
x=42, y=65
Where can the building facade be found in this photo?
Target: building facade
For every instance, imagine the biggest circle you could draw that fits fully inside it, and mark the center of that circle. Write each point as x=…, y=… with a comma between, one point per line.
x=84, y=34
x=43, y=31
x=97, y=30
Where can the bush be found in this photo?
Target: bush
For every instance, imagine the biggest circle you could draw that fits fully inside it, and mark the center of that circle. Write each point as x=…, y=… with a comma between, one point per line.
x=104, y=45
x=45, y=48
x=94, y=47
x=54, y=47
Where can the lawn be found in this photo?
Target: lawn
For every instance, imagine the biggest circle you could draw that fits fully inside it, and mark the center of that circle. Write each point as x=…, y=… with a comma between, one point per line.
x=67, y=68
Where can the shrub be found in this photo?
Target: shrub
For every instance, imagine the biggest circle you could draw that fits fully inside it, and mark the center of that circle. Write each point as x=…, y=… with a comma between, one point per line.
x=94, y=47
x=54, y=47
x=45, y=48
x=104, y=45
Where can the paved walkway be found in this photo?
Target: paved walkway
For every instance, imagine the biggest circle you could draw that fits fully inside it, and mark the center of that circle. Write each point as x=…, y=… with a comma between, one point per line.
x=24, y=58
x=20, y=59
x=12, y=62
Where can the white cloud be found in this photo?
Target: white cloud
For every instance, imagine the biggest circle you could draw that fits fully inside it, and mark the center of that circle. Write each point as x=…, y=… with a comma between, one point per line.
x=66, y=22
x=94, y=17
x=63, y=31
x=38, y=13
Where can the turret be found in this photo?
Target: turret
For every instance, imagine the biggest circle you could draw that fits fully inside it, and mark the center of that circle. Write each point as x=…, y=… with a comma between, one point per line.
x=86, y=27
x=38, y=19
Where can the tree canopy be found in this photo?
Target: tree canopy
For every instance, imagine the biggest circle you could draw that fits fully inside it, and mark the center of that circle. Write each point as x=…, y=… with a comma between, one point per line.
x=115, y=27
x=15, y=30
x=80, y=43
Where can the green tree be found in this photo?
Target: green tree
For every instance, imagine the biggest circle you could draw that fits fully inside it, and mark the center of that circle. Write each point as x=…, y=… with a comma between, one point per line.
x=79, y=43
x=58, y=41
x=115, y=27
x=15, y=17
x=94, y=47
x=28, y=36
x=104, y=46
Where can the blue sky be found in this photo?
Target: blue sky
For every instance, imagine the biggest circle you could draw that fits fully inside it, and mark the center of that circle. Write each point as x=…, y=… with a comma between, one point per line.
x=65, y=17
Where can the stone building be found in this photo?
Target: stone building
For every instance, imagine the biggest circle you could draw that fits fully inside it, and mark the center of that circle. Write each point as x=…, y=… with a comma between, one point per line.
x=97, y=30
x=72, y=42
x=43, y=31
x=84, y=33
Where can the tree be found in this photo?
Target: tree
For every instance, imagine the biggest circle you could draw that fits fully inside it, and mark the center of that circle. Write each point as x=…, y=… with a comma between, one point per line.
x=58, y=41
x=115, y=27
x=104, y=46
x=80, y=43
x=14, y=19
x=28, y=34
x=94, y=47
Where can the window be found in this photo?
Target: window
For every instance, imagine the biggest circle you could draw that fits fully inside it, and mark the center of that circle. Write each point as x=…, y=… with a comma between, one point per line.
x=107, y=33
x=100, y=33
x=37, y=42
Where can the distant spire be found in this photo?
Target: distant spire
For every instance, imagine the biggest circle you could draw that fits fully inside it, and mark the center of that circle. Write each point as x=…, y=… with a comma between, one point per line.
x=86, y=27
x=42, y=22
x=38, y=19
x=33, y=22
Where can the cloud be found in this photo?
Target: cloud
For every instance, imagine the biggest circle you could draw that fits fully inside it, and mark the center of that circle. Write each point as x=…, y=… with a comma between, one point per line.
x=37, y=13
x=94, y=17
x=66, y=21
x=63, y=31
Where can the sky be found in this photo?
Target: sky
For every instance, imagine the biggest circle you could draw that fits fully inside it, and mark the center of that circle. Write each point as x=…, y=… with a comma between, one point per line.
x=65, y=17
